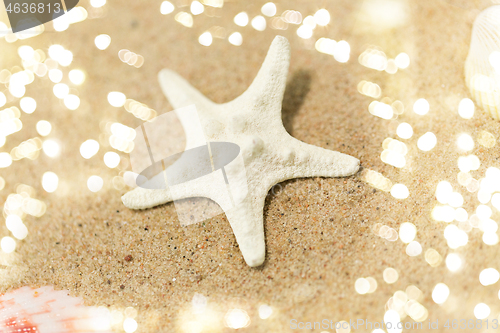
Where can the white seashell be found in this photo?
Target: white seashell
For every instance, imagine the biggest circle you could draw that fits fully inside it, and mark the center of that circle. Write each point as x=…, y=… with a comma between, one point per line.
x=45, y=310
x=482, y=67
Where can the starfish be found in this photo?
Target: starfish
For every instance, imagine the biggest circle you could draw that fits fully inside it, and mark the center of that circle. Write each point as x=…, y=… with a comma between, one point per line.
x=271, y=155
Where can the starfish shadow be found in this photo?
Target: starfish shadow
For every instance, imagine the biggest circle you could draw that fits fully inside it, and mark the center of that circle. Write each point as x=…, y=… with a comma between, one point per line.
x=296, y=90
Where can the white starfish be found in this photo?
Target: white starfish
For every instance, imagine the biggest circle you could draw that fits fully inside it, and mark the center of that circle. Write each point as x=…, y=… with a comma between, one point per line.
x=252, y=121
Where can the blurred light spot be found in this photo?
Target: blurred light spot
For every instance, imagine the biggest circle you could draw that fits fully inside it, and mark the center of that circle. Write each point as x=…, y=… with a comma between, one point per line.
x=402, y=60
x=237, y=318
x=205, y=39
x=269, y=9
x=373, y=58
x=241, y=19
x=102, y=41
x=310, y=21
x=17, y=90
x=28, y=104
x=43, y=127
x=131, y=58
x=265, y=311
x=95, y=183
x=197, y=8
x=122, y=137
x=394, y=152
x=111, y=159
x=342, y=51
x=129, y=324
x=483, y=212
x=130, y=312
x=466, y=108
x=291, y=16
x=76, y=76
x=455, y=237
x=185, y=19
x=400, y=191
x=16, y=226
x=481, y=311
x=465, y=142
x=486, y=139
x=440, y=293
x=139, y=110
x=453, y=262
x=259, y=23
x=413, y=249
x=391, y=319
x=213, y=3
x=3, y=99
x=77, y=14
x=461, y=215
x=3, y=29
x=2, y=183
x=327, y=46
x=376, y=180
x=390, y=275
x=305, y=32
x=50, y=181
x=26, y=52
x=55, y=75
x=5, y=160
x=235, y=38
x=61, y=90
x=116, y=98
x=97, y=3
x=490, y=238
x=364, y=87
x=66, y=58
x=60, y=23
x=421, y=106
x=404, y=131
x=373, y=284
x=362, y=286
x=8, y=244
x=72, y=102
x=433, y=257
x=56, y=51
x=322, y=17
x=489, y=276
x=391, y=67
x=427, y=141
x=166, y=7
x=381, y=110
x=89, y=148
x=407, y=232
x=51, y=148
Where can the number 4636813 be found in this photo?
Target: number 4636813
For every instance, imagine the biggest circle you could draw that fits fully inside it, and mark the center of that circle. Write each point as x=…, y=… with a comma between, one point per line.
x=33, y=8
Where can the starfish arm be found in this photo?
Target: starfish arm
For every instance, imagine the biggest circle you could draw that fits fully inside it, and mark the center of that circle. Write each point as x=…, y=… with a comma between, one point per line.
x=211, y=186
x=305, y=160
x=267, y=89
x=247, y=222
x=142, y=198
x=180, y=93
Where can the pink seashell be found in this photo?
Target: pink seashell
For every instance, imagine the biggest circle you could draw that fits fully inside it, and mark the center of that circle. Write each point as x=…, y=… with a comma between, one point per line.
x=44, y=310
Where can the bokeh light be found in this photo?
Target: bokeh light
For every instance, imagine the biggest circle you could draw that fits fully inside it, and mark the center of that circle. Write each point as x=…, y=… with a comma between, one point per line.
x=95, y=183
x=116, y=99
x=421, y=107
x=50, y=182
x=102, y=41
